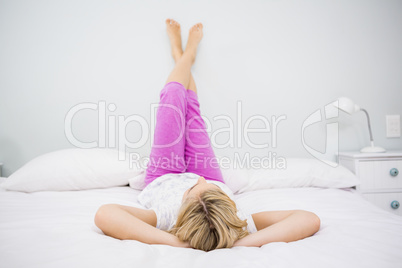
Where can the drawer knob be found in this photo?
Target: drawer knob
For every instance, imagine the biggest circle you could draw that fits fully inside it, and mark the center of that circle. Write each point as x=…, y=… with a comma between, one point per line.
x=394, y=172
x=394, y=204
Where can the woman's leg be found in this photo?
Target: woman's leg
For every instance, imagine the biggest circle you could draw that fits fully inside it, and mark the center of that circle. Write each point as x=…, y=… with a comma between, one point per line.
x=182, y=70
x=167, y=153
x=199, y=155
x=191, y=85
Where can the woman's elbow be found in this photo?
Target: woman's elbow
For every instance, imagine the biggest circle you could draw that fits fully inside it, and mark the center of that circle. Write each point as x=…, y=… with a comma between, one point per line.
x=311, y=221
x=102, y=216
x=315, y=222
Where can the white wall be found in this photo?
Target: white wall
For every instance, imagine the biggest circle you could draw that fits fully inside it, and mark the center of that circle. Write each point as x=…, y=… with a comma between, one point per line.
x=276, y=57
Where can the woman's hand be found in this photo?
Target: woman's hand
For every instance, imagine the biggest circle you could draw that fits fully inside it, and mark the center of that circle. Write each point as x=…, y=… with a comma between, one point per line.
x=185, y=245
x=239, y=243
x=248, y=241
x=178, y=243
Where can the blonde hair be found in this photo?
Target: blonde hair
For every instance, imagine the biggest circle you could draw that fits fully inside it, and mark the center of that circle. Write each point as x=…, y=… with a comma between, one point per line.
x=209, y=221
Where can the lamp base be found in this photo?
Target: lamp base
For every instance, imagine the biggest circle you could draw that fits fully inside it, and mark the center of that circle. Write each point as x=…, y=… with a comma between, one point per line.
x=373, y=149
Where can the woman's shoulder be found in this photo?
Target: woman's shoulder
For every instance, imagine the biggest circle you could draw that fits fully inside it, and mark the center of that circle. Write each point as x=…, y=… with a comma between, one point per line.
x=251, y=228
x=224, y=188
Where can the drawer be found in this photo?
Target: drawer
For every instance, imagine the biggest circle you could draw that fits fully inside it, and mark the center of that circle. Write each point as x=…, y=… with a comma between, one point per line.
x=376, y=175
x=384, y=201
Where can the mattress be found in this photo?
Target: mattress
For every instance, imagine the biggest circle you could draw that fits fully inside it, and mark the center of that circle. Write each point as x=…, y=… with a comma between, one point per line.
x=56, y=229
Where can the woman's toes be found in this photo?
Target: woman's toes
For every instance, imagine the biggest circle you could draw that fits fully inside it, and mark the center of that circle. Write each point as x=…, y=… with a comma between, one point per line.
x=172, y=22
x=197, y=26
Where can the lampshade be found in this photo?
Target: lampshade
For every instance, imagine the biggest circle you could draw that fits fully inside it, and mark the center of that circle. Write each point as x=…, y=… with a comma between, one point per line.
x=348, y=106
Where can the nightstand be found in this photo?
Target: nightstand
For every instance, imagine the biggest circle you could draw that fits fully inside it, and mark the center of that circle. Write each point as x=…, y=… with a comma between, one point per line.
x=381, y=182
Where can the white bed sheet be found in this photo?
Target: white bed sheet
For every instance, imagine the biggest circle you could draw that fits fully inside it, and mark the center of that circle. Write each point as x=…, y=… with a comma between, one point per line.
x=56, y=229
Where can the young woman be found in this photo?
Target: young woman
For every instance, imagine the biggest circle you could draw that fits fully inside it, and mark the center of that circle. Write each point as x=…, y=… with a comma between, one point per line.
x=188, y=203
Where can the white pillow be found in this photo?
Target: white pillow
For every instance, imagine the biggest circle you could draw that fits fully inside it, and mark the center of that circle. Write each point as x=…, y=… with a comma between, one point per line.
x=138, y=182
x=297, y=172
x=300, y=172
x=72, y=169
x=235, y=178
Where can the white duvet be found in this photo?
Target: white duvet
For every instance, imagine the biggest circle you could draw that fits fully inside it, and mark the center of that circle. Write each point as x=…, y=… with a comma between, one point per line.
x=56, y=229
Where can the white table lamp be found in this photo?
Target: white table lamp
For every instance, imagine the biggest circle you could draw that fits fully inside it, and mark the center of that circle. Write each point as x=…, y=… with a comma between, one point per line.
x=348, y=106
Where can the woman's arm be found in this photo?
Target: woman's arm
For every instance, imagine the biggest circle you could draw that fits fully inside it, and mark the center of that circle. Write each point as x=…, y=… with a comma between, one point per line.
x=124, y=222
x=281, y=226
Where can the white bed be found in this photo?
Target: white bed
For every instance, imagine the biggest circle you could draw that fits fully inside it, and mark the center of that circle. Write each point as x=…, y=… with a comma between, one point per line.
x=56, y=229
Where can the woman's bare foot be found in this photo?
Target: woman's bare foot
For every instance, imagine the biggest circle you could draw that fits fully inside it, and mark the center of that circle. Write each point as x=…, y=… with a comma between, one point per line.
x=194, y=38
x=174, y=33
